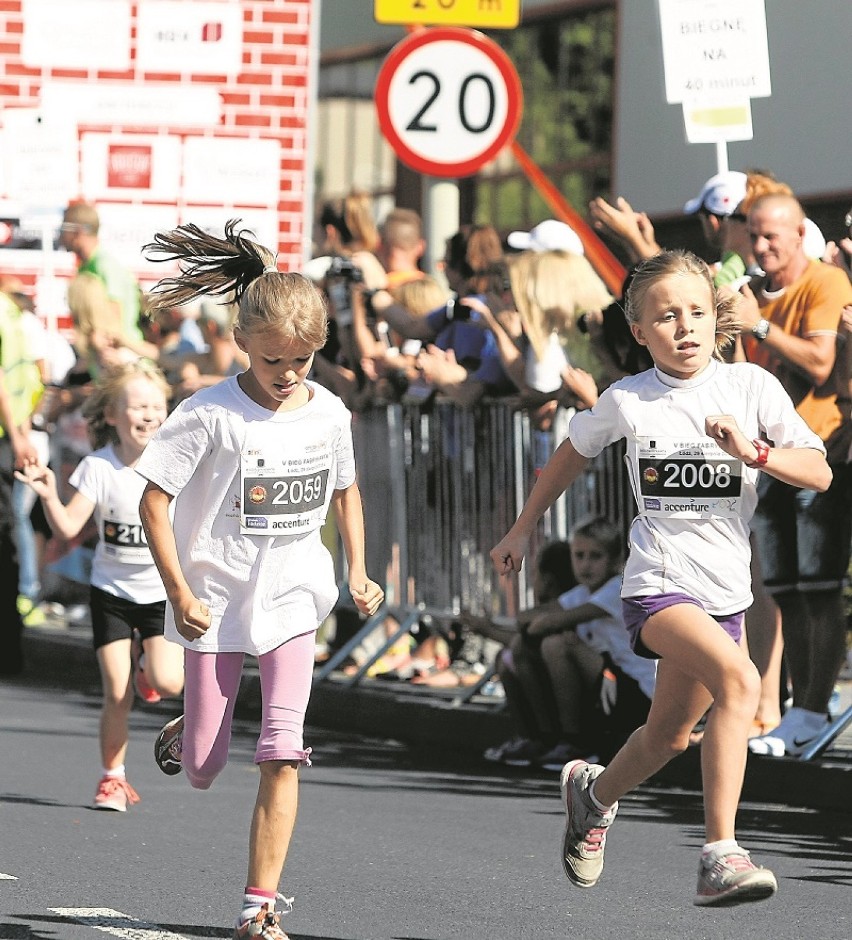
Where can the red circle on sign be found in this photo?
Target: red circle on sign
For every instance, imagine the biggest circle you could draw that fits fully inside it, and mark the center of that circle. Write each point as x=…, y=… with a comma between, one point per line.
x=514, y=98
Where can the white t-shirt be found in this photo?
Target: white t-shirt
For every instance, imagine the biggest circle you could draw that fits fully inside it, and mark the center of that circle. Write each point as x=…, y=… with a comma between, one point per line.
x=122, y=565
x=703, y=553
x=608, y=634
x=212, y=453
x=545, y=374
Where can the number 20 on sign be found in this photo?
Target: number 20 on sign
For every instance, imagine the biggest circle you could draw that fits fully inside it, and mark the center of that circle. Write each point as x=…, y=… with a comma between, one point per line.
x=448, y=101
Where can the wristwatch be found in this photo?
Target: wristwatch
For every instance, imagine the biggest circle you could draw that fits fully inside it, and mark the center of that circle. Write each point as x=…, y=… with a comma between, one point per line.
x=761, y=329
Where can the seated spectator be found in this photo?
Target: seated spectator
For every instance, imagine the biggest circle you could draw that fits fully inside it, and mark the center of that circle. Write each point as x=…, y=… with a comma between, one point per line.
x=571, y=665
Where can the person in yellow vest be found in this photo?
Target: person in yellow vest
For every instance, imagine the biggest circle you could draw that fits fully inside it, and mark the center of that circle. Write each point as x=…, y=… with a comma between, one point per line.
x=20, y=390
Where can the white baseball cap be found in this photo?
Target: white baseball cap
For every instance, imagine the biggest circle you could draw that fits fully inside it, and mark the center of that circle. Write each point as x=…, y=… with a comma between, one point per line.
x=813, y=244
x=550, y=235
x=720, y=195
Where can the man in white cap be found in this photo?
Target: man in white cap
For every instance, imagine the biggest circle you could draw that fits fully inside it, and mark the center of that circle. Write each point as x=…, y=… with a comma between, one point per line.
x=724, y=223
x=550, y=235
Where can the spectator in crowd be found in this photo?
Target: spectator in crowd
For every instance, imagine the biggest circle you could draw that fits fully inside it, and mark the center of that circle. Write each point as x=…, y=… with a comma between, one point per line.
x=401, y=248
x=54, y=358
x=79, y=233
x=20, y=387
x=687, y=582
x=839, y=253
x=222, y=358
x=99, y=334
x=127, y=593
x=574, y=653
x=791, y=316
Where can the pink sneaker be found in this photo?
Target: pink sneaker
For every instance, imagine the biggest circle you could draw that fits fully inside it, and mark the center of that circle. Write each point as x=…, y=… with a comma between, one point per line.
x=732, y=878
x=114, y=793
x=143, y=689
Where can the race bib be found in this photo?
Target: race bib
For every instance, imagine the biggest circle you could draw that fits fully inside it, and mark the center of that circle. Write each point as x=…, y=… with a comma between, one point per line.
x=282, y=496
x=125, y=542
x=685, y=478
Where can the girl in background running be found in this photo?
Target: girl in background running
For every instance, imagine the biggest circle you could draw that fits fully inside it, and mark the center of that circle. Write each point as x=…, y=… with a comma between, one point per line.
x=253, y=465
x=698, y=432
x=123, y=412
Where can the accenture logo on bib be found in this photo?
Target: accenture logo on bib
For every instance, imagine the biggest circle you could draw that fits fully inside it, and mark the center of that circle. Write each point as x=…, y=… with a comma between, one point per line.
x=256, y=522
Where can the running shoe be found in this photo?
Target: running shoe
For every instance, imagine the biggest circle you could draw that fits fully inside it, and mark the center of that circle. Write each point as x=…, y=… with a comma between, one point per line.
x=31, y=613
x=265, y=924
x=797, y=731
x=559, y=755
x=732, y=878
x=522, y=752
x=168, y=746
x=585, y=826
x=114, y=793
x=143, y=688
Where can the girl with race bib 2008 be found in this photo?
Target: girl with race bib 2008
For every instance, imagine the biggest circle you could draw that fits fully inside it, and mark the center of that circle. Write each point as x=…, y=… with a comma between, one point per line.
x=253, y=465
x=698, y=432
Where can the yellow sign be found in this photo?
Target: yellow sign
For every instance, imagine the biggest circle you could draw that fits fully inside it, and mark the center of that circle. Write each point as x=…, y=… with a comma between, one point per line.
x=489, y=14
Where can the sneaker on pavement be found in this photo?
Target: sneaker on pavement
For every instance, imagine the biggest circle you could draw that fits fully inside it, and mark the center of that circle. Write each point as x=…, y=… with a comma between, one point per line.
x=560, y=754
x=265, y=924
x=522, y=752
x=168, y=746
x=114, y=793
x=793, y=736
x=32, y=614
x=732, y=878
x=585, y=826
x=140, y=682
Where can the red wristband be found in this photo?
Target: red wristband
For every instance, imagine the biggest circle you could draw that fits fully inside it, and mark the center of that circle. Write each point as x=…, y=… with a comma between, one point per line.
x=762, y=453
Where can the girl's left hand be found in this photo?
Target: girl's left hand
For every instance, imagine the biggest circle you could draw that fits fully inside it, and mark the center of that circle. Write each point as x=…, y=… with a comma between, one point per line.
x=727, y=434
x=368, y=596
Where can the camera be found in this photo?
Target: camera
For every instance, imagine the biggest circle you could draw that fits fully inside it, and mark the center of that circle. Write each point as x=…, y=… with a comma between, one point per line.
x=341, y=274
x=456, y=310
x=346, y=269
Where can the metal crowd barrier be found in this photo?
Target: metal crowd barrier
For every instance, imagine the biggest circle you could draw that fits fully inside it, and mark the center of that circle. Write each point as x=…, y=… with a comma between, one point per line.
x=440, y=486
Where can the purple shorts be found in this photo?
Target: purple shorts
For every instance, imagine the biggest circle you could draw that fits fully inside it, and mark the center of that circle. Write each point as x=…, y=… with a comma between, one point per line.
x=637, y=610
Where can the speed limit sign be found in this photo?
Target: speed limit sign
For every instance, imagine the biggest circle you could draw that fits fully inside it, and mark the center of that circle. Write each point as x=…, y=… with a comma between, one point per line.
x=448, y=101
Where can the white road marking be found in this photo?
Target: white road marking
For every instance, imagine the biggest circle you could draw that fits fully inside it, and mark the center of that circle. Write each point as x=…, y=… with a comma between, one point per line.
x=116, y=923
x=4, y=877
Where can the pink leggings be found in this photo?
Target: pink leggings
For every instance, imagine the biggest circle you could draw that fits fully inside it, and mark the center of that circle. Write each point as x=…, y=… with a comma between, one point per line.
x=210, y=693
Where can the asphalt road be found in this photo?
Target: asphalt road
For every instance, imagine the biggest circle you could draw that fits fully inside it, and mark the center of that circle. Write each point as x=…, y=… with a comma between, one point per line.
x=390, y=845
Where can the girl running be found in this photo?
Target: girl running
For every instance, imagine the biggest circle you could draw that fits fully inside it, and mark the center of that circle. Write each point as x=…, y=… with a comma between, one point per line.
x=698, y=432
x=253, y=465
x=127, y=595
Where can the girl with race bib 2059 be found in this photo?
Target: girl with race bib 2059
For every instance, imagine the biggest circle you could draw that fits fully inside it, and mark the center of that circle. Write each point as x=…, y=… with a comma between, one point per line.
x=253, y=465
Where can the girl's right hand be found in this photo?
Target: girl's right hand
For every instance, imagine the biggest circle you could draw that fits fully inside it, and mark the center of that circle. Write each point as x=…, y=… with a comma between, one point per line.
x=192, y=618
x=40, y=477
x=508, y=554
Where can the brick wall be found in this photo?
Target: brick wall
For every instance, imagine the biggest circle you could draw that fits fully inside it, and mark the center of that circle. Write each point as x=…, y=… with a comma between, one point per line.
x=267, y=98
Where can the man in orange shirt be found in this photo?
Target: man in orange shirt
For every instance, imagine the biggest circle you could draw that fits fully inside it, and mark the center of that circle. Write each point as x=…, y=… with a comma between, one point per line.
x=791, y=317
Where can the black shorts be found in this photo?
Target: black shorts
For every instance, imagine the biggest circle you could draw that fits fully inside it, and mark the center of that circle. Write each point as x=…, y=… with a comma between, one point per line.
x=114, y=618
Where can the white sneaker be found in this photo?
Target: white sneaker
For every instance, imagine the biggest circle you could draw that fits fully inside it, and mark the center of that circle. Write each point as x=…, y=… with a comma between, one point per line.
x=793, y=736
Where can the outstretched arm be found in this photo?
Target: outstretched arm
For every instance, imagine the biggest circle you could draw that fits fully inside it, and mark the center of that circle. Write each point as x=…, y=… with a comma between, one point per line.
x=65, y=521
x=559, y=473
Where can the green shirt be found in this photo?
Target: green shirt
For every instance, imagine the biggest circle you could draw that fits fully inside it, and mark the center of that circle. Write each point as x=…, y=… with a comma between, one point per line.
x=121, y=287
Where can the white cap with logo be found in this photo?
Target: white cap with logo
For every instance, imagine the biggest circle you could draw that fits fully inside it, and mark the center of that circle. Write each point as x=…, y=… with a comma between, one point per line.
x=550, y=235
x=720, y=195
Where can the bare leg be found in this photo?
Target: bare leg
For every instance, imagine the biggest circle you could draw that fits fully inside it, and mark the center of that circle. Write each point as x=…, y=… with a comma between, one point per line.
x=699, y=663
x=163, y=666
x=272, y=823
x=532, y=677
x=573, y=668
x=765, y=645
x=114, y=664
